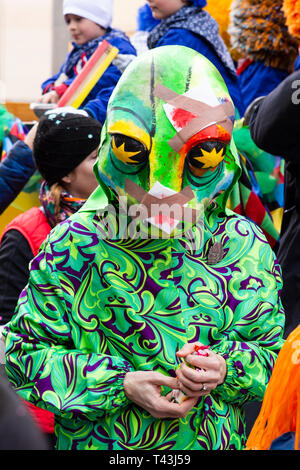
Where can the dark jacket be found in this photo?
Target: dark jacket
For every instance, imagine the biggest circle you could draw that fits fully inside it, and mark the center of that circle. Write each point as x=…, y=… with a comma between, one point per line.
x=274, y=127
x=15, y=171
x=17, y=429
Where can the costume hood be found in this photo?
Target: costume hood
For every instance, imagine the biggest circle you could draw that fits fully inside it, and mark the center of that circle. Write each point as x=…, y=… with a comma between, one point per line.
x=168, y=138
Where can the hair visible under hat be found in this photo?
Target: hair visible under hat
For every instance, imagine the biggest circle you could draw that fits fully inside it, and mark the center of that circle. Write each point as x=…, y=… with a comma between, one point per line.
x=98, y=11
x=62, y=142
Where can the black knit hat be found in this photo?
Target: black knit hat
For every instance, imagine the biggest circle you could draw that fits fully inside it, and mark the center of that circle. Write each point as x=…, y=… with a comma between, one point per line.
x=63, y=140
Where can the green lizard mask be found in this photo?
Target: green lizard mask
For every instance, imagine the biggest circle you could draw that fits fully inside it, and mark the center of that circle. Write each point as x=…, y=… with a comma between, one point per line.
x=166, y=147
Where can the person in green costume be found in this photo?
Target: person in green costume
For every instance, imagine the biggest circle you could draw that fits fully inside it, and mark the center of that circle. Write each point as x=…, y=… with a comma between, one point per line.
x=153, y=265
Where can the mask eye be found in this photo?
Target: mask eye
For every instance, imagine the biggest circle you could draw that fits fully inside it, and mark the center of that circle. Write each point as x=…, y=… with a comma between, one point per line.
x=128, y=150
x=206, y=155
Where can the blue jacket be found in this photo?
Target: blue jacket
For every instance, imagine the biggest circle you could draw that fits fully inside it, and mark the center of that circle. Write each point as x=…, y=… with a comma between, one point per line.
x=15, y=171
x=297, y=63
x=183, y=37
x=96, y=102
x=258, y=79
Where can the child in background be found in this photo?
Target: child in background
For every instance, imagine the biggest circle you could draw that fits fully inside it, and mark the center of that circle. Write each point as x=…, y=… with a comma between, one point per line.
x=89, y=23
x=145, y=23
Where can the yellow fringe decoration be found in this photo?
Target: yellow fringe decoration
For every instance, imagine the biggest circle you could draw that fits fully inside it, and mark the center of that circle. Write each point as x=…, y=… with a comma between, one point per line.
x=258, y=31
x=291, y=9
x=220, y=11
x=280, y=411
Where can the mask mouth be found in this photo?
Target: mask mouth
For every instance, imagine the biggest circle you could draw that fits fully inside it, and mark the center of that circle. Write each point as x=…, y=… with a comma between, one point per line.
x=165, y=220
x=162, y=207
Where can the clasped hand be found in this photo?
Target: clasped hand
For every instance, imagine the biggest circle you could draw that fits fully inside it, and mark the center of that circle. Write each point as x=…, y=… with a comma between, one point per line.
x=206, y=373
x=144, y=387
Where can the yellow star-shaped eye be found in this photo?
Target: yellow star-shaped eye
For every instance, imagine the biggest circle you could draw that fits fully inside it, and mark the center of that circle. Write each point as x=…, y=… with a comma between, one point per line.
x=210, y=159
x=122, y=154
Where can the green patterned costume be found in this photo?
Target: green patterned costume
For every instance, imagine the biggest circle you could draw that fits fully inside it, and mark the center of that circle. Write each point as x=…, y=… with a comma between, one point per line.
x=98, y=304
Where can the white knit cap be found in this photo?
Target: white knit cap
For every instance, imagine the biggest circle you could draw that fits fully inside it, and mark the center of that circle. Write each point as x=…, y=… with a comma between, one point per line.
x=98, y=11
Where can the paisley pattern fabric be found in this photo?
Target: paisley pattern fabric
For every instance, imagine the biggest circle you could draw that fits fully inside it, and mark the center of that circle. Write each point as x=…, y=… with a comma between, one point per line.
x=98, y=305
x=111, y=306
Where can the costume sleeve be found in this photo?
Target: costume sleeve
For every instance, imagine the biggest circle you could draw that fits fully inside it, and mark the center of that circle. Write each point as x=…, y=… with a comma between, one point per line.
x=15, y=256
x=15, y=170
x=259, y=324
x=42, y=362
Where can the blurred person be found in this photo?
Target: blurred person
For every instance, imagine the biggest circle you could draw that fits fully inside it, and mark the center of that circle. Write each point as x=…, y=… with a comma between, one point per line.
x=185, y=23
x=274, y=128
x=145, y=23
x=64, y=150
x=291, y=10
x=89, y=23
x=262, y=46
x=16, y=169
x=18, y=430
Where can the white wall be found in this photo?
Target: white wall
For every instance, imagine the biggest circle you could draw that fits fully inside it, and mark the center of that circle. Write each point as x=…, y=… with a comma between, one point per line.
x=30, y=31
x=25, y=48
x=125, y=12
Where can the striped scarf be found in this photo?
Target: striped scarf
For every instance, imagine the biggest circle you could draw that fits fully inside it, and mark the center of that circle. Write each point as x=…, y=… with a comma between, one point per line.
x=66, y=204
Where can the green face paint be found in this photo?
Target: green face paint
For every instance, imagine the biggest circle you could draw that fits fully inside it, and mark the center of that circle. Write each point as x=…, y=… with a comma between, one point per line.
x=168, y=135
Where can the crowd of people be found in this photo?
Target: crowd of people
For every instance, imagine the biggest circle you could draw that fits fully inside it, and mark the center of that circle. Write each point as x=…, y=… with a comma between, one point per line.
x=152, y=295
